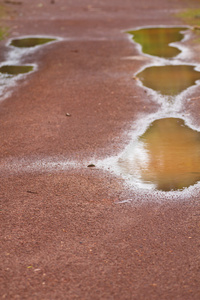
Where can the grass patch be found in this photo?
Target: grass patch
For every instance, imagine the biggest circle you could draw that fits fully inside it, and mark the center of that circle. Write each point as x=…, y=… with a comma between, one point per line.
x=2, y=11
x=3, y=33
x=3, y=29
x=190, y=16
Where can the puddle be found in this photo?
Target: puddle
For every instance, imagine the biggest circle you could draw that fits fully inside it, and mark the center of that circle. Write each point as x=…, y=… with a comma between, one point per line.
x=21, y=48
x=15, y=70
x=30, y=42
x=166, y=156
x=156, y=41
x=170, y=79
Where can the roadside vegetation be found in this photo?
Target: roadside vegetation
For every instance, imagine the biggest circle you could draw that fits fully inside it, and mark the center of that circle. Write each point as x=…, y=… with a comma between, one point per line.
x=3, y=32
x=190, y=16
x=3, y=29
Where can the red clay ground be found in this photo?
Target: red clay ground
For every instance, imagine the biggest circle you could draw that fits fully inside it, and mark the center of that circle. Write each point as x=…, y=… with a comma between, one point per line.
x=63, y=234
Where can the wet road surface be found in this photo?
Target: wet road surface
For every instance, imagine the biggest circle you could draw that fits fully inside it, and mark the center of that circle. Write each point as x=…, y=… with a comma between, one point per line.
x=64, y=233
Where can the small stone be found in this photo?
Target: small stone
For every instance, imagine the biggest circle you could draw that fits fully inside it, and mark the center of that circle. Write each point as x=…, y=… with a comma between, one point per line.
x=91, y=166
x=68, y=115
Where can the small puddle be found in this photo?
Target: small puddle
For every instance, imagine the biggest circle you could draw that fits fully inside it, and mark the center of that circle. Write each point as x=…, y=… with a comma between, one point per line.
x=170, y=79
x=167, y=155
x=12, y=65
x=15, y=70
x=156, y=41
x=30, y=42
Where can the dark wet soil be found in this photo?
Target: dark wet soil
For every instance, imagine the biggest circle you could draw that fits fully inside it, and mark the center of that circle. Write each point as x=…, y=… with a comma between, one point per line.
x=64, y=235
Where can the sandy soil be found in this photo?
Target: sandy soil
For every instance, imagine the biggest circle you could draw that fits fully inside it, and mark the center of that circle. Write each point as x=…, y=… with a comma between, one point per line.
x=64, y=234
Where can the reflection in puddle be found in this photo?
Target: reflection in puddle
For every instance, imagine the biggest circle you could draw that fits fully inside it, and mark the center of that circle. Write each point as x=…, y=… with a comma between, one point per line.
x=167, y=155
x=15, y=70
x=30, y=42
x=169, y=80
x=155, y=41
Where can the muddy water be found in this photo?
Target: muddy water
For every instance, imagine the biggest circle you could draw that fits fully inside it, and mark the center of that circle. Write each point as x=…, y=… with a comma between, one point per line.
x=167, y=155
x=15, y=70
x=30, y=42
x=169, y=79
x=155, y=41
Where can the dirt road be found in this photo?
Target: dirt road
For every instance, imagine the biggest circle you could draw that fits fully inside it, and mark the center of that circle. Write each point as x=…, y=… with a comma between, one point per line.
x=64, y=233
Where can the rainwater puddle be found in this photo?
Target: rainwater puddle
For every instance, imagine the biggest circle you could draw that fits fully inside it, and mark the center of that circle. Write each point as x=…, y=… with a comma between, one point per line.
x=166, y=156
x=30, y=42
x=21, y=48
x=156, y=41
x=169, y=79
x=15, y=70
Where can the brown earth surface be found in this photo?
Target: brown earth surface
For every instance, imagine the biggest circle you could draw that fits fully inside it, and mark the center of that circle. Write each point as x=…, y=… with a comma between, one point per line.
x=64, y=234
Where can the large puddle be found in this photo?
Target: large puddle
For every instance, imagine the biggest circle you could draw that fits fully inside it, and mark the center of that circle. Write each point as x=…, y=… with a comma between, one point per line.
x=156, y=41
x=167, y=156
x=169, y=79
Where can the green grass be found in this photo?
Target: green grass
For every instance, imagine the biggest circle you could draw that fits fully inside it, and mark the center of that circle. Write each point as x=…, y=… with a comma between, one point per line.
x=190, y=16
x=3, y=29
x=3, y=32
x=2, y=11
